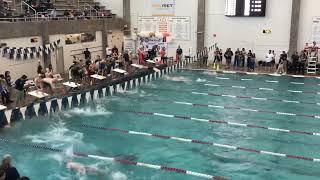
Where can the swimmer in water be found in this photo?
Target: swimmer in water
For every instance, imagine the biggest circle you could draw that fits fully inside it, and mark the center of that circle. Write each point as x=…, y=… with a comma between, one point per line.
x=177, y=79
x=81, y=169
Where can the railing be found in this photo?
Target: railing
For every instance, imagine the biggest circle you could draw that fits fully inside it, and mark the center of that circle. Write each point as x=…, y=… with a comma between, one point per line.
x=28, y=19
x=90, y=8
x=23, y=3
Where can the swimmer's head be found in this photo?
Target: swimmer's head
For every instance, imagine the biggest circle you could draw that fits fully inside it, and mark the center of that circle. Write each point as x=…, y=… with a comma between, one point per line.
x=6, y=161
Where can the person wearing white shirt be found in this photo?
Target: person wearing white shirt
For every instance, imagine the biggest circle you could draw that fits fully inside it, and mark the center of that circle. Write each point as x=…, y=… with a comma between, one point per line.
x=269, y=58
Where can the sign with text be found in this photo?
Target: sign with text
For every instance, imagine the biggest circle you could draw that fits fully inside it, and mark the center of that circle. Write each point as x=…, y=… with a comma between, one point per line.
x=316, y=29
x=149, y=43
x=178, y=26
x=163, y=7
x=129, y=44
x=148, y=24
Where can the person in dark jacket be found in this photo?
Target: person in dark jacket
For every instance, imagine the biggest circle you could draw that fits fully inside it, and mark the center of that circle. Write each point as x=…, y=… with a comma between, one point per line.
x=10, y=171
x=228, y=55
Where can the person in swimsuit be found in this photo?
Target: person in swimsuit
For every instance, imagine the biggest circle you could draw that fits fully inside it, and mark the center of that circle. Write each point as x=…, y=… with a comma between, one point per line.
x=82, y=169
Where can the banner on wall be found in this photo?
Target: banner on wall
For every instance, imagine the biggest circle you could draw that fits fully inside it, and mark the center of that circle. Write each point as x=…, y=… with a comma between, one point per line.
x=163, y=7
x=163, y=24
x=148, y=43
x=148, y=24
x=179, y=27
x=316, y=29
x=128, y=44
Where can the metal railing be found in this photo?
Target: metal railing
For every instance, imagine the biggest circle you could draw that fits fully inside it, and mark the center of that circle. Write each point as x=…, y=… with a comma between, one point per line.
x=28, y=19
x=90, y=8
x=23, y=3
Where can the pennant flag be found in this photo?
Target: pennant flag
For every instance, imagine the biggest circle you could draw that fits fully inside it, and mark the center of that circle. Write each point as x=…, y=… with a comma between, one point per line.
x=79, y=98
x=137, y=82
x=104, y=90
x=88, y=96
x=131, y=84
x=48, y=104
x=36, y=108
x=51, y=46
x=8, y=114
x=95, y=95
x=59, y=104
x=23, y=112
x=111, y=90
x=70, y=101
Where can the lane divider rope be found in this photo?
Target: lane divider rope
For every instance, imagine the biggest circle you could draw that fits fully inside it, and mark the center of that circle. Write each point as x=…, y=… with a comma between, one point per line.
x=263, y=89
x=267, y=81
x=239, y=97
x=271, y=81
x=195, y=141
x=209, y=121
x=122, y=161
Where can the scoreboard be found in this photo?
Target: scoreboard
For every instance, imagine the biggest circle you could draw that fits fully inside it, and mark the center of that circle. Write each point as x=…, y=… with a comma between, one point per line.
x=245, y=8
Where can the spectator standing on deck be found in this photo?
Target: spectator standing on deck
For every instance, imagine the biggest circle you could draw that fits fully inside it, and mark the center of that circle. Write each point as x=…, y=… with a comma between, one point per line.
x=7, y=77
x=314, y=49
x=20, y=90
x=39, y=68
x=253, y=62
x=273, y=62
x=228, y=56
x=141, y=55
x=10, y=171
x=236, y=62
x=205, y=57
x=249, y=60
x=163, y=55
x=217, y=60
x=4, y=90
x=179, y=53
x=115, y=50
x=282, y=69
x=269, y=58
x=87, y=54
x=243, y=55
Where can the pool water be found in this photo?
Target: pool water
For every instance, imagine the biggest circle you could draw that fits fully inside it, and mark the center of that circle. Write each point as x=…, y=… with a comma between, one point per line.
x=65, y=131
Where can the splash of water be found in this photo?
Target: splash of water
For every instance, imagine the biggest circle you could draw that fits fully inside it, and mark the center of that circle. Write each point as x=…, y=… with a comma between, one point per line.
x=88, y=112
x=210, y=73
x=118, y=176
x=201, y=80
x=177, y=79
x=57, y=135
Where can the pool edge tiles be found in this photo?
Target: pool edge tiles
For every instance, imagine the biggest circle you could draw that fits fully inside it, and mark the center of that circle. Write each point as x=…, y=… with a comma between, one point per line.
x=44, y=108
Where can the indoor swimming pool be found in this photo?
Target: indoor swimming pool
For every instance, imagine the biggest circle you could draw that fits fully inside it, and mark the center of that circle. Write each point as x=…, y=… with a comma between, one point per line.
x=228, y=125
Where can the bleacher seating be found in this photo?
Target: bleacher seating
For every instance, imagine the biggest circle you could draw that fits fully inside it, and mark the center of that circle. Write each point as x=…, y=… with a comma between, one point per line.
x=5, y=8
x=89, y=7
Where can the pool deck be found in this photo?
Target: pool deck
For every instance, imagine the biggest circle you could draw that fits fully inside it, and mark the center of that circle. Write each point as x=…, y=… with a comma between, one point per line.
x=80, y=96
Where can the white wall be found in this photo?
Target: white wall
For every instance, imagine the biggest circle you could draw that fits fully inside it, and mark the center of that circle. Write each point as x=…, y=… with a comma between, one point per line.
x=238, y=32
x=20, y=67
x=76, y=49
x=182, y=8
x=308, y=10
x=116, y=6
